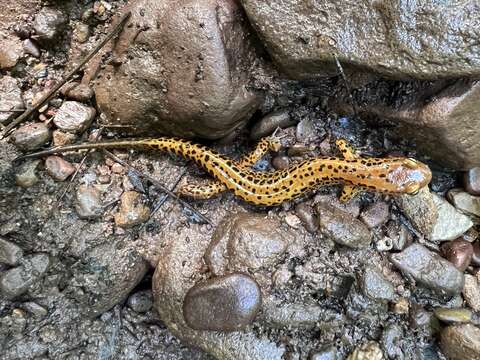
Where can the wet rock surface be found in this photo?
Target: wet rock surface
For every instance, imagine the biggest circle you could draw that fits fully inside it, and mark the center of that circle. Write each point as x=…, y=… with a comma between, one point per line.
x=58, y=168
x=227, y=303
x=196, y=85
x=10, y=50
x=74, y=117
x=429, y=269
x=10, y=253
x=132, y=211
x=10, y=98
x=26, y=174
x=465, y=202
x=31, y=136
x=385, y=39
x=472, y=181
x=88, y=202
x=459, y=252
x=375, y=285
x=48, y=24
x=461, y=342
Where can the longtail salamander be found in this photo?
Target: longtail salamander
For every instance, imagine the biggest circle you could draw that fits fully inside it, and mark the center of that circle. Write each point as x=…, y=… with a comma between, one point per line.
x=387, y=175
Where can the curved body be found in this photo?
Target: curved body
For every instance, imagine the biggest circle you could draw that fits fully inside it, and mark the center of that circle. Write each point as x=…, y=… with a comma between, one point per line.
x=389, y=175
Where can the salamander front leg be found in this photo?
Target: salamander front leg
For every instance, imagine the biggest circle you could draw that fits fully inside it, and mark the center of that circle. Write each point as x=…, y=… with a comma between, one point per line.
x=349, y=192
x=349, y=153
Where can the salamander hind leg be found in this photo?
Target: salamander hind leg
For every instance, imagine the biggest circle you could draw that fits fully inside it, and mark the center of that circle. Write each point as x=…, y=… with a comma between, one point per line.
x=349, y=153
x=349, y=192
x=204, y=191
x=270, y=143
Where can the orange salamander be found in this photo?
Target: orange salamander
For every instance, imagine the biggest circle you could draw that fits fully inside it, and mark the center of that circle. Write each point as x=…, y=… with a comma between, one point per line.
x=396, y=175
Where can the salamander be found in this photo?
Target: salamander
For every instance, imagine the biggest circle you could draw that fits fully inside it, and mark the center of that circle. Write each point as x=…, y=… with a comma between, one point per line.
x=396, y=175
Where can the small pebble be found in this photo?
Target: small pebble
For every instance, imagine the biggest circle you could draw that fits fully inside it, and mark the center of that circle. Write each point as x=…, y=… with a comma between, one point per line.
x=375, y=214
x=422, y=319
x=459, y=252
x=82, y=32
x=133, y=210
x=88, y=202
x=61, y=138
x=281, y=162
x=31, y=48
x=10, y=253
x=399, y=234
x=225, y=303
x=58, y=168
x=402, y=306
x=104, y=179
x=375, y=286
x=11, y=50
x=472, y=181
x=117, y=168
x=141, y=301
x=74, y=117
x=461, y=342
x=31, y=136
x=451, y=316
x=269, y=123
x=26, y=175
x=35, y=309
x=326, y=353
x=471, y=292
x=10, y=98
x=299, y=150
x=306, y=215
x=465, y=202
x=77, y=91
x=368, y=351
x=19, y=322
x=392, y=341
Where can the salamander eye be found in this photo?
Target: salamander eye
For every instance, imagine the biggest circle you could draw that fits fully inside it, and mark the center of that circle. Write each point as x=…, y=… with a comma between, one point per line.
x=415, y=192
x=410, y=163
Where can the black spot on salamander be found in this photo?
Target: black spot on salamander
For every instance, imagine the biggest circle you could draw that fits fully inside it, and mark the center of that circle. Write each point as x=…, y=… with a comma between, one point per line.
x=207, y=157
x=329, y=167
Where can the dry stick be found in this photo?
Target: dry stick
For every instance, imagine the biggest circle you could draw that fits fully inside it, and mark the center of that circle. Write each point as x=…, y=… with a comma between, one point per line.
x=57, y=87
x=340, y=68
x=157, y=184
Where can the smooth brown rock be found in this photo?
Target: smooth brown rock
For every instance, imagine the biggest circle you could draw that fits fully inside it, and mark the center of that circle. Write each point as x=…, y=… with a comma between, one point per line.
x=226, y=303
x=26, y=175
x=342, y=228
x=88, y=202
x=78, y=92
x=476, y=253
x=187, y=72
x=396, y=39
x=375, y=214
x=133, y=210
x=10, y=99
x=471, y=292
x=11, y=50
x=31, y=136
x=269, y=123
x=429, y=269
x=246, y=242
x=459, y=252
x=461, y=342
x=58, y=168
x=472, y=180
x=308, y=218
x=420, y=209
x=31, y=48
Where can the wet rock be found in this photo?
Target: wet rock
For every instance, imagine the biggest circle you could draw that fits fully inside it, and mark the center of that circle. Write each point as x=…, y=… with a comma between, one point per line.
x=342, y=228
x=375, y=286
x=424, y=320
x=31, y=136
x=326, y=353
x=465, y=202
x=352, y=207
x=269, y=123
x=472, y=181
x=88, y=204
x=281, y=162
x=63, y=138
x=25, y=175
x=368, y=351
x=461, y=342
x=299, y=316
x=392, y=341
x=10, y=254
x=429, y=269
x=16, y=281
x=450, y=223
x=31, y=48
x=58, y=168
x=375, y=214
x=10, y=98
x=246, y=242
x=399, y=234
x=476, y=253
x=35, y=309
x=133, y=210
x=303, y=38
x=459, y=252
x=226, y=303
x=74, y=117
x=308, y=218
x=187, y=71
x=420, y=209
x=49, y=24
x=471, y=292
x=10, y=50
x=141, y=301
x=82, y=32
x=77, y=91
x=453, y=315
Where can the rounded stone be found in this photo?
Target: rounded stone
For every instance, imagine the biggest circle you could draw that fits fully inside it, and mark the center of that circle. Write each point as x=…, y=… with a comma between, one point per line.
x=461, y=342
x=269, y=123
x=225, y=303
x=453, y=315
x=141, y=301
x=25, y=175
x=88, y=203
x=281, y=162
x=307, y=217
x=133, y=210
x=58, y=168
x=48, y=24
x=472, y=181
x=10, y=253
x=74, y=117
x=459, y=252
x=375, y=214
x=476, y=253
x=31, y=136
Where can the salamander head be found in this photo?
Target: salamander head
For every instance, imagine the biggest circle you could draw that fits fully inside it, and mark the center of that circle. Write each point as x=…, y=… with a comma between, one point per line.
x=409, y=176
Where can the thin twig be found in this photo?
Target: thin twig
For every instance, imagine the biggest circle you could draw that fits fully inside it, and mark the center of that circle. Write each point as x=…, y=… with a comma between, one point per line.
x=158, y=185
x=347, y=85
x=57, y=87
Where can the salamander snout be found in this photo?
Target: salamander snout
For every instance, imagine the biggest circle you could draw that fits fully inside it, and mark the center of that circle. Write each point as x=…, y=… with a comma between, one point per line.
x=410, y=176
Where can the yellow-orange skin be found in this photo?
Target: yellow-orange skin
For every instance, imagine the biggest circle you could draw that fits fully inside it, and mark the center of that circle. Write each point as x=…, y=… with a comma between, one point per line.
x=387, y=175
